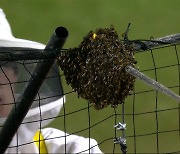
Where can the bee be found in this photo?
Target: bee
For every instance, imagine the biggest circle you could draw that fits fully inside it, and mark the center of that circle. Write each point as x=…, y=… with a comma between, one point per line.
x=96, y=68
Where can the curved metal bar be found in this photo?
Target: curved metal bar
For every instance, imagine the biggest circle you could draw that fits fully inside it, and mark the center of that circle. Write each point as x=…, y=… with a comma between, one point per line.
x=15, y=53
x=149, y=44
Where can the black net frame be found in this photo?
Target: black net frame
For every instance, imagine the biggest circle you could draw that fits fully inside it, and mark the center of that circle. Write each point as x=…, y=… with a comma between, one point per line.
x=157, y=138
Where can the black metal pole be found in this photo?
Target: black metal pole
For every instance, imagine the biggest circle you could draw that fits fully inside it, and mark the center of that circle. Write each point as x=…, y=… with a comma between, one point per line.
x=20, y=110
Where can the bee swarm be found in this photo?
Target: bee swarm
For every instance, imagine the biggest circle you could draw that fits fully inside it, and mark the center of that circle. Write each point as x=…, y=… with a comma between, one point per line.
x=96, y=68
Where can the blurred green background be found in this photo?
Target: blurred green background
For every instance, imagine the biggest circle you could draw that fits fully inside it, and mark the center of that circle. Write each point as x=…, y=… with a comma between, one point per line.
x=36, y=19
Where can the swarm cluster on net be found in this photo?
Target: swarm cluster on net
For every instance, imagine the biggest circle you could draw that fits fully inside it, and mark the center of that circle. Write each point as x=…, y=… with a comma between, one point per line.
x=96, y=68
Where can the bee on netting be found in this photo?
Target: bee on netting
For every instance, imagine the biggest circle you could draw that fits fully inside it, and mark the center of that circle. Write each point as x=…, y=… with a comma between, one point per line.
x=96, y=68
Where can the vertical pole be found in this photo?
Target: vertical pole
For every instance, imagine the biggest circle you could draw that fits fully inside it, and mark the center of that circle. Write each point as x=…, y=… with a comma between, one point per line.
x=123, y=142
x=122, y=126
x=25, y=101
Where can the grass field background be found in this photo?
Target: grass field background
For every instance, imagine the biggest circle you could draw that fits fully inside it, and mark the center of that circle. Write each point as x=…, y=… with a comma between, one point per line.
x=36, y=20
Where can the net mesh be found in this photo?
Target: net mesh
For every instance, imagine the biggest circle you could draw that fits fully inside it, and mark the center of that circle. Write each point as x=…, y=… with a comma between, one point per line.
x=152, y=118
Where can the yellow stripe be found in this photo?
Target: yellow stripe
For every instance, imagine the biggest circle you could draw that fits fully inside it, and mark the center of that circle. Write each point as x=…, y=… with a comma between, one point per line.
x=40, y=142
